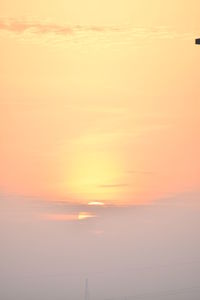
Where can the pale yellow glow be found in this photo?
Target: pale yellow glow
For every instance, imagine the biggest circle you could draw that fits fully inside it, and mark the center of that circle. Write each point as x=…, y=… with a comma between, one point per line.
x=88, y=174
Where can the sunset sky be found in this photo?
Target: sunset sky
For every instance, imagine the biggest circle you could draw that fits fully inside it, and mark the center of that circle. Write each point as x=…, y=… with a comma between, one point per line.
x=99, y=115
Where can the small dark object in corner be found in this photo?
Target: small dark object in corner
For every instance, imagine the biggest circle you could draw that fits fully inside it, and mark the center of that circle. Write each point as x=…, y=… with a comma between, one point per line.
x=197, y=41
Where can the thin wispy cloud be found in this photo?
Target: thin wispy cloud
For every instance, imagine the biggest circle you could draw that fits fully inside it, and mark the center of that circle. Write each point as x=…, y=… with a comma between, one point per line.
x=143, y=172
x=117, y=185
x=127, y=34
x=17, y=26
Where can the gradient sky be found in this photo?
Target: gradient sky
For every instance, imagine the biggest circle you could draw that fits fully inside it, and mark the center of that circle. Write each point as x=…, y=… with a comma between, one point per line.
x=99, y=105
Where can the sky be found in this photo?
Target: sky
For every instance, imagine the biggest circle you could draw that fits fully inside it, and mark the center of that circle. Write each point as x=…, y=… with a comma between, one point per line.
x=99, y=149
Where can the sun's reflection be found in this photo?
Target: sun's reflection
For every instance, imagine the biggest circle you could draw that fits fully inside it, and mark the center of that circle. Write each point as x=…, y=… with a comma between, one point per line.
x=96, y=203
x=85, y=215
x=67, y=217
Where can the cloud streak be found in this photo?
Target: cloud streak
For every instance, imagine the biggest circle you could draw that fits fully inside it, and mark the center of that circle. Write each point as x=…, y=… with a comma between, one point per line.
x=38, y=28
x=20, y=27
x=108, y=186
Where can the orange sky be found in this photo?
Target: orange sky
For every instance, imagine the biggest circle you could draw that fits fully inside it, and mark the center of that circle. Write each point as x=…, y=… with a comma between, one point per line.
x=99, y=99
